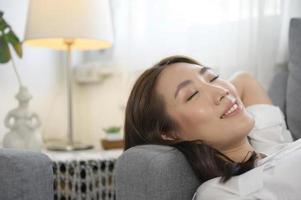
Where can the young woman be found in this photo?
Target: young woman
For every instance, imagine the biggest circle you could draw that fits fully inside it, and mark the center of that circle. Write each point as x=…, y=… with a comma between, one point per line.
x=225, y=128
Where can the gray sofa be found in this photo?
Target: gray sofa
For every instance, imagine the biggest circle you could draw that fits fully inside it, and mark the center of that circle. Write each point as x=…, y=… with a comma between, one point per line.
x=151, y=172
x=25, y=175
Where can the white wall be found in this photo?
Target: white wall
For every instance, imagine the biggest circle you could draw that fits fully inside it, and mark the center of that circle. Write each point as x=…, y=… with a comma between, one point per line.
x=39, y=69
x=95, y=105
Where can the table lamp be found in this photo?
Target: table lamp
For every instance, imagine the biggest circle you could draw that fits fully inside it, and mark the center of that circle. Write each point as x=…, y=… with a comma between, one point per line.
x=66, y=25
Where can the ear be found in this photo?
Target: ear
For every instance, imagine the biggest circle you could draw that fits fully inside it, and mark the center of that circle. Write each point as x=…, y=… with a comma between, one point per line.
x=165, y=137
x=169, y=136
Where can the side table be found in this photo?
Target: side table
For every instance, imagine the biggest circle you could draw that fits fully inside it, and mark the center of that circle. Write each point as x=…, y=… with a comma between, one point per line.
x=84, y=175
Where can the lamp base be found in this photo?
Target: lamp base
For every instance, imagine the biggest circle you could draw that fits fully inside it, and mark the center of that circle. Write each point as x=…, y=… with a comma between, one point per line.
x=64, y=146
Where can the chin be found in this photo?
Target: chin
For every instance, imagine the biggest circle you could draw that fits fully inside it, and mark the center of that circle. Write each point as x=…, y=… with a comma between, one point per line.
x=247, y=125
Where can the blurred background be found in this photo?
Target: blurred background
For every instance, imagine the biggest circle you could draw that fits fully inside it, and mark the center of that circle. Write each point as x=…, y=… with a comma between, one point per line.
x=227, y=35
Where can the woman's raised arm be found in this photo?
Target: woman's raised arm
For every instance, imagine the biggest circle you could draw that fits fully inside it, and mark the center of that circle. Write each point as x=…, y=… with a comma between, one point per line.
x=249, y=89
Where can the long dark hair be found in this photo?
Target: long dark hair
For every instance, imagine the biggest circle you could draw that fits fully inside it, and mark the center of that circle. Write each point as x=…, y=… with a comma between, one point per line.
x=146, y=119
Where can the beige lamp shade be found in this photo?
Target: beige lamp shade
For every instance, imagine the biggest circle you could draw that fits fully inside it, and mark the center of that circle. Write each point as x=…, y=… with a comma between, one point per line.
x=86, y=22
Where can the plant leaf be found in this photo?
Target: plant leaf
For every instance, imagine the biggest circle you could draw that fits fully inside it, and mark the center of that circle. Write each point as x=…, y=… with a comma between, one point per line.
x=4, y=50
x=3, y=24
x=15, y=42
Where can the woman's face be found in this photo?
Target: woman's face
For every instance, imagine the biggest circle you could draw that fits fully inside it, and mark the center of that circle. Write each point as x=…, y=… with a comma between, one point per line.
x=196, y=100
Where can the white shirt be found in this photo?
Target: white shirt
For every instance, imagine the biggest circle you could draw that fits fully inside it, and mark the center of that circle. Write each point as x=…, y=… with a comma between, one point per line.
x=278, y=176
x=270, y=132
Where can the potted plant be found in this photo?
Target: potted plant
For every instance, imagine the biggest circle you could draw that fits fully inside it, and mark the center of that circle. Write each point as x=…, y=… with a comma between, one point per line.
x=20, y=121
x=113, y=138
x=7, y=38
x=113, y=133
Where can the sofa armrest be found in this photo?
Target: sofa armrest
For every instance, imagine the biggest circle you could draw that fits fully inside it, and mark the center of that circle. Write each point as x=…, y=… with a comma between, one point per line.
x=25, y=175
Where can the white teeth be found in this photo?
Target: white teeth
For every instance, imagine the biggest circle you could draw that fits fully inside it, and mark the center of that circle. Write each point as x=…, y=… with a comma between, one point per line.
x=233, y=108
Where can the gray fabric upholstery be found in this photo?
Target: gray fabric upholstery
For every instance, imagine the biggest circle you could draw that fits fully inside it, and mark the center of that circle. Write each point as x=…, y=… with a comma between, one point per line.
x=154, y=172
x=25, y=175
x=293, y=97
x=277, y=89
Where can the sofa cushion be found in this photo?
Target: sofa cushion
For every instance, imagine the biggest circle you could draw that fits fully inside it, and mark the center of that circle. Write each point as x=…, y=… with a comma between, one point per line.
x=154, y=172
x=293, y=97
x=25, y=175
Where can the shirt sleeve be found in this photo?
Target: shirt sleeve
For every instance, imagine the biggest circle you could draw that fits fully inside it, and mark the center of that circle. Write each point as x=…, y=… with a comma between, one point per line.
x=216, y=192
x=270, y=130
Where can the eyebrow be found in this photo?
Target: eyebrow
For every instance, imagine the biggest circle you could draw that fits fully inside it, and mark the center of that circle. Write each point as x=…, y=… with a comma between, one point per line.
x=183, y=84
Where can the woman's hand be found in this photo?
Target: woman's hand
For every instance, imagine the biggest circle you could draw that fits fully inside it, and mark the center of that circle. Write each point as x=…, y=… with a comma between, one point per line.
x=249, y=89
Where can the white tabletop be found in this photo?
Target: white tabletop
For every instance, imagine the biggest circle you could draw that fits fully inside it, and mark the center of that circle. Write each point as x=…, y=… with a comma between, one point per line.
x=83, y=155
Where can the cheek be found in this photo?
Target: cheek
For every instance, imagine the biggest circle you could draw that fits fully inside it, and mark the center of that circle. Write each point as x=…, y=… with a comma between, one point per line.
x=194, y=122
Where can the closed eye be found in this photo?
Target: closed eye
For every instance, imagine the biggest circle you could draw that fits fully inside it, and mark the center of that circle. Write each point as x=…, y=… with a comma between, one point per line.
x=189, y=98
x=214, y=78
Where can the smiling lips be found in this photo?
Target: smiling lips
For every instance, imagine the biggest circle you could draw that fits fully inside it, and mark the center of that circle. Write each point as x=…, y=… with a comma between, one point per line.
x=231, y=110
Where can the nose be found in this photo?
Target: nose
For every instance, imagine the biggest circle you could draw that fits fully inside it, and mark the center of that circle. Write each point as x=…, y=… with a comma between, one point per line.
x=218, y=93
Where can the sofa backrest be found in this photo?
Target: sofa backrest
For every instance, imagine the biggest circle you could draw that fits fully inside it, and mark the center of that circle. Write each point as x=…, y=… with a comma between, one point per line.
x=25, y=175
x=293, y=95
x=151, y=172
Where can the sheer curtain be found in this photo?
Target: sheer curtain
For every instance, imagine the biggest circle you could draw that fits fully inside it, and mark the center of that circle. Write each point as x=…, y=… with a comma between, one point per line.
x=227, y=35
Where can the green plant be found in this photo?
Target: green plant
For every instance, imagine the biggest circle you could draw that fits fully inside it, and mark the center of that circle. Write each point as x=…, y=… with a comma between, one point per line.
x=9, y=38
x=112, y=129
